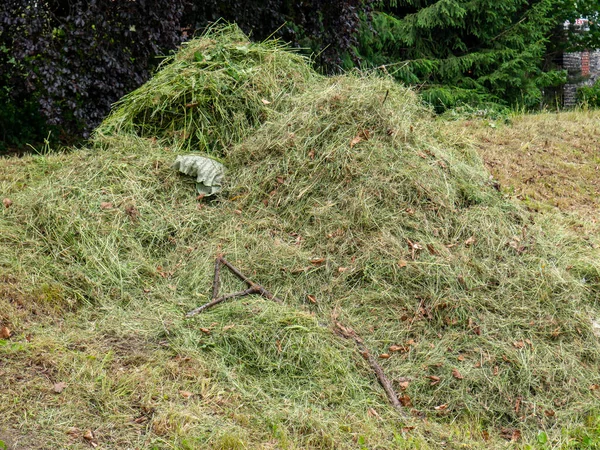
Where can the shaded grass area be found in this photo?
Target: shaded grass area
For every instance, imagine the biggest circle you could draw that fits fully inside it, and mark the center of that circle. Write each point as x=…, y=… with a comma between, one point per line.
x=347, y=191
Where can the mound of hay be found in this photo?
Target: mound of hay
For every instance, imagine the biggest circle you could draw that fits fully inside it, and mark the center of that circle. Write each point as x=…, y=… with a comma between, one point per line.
x=349, y=194
x=211, y=93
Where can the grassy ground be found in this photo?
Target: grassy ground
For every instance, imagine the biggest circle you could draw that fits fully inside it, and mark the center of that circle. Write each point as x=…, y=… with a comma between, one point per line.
x=345, y=198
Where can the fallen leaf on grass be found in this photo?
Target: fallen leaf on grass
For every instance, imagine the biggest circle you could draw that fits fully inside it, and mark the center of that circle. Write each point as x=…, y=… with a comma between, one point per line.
x=7, y=202
x=228, y=327
x=5, y=333
x=434, y=380
x=461, y=357
x=89, y=436
x=550, y=413
x=470, y=241
x=358, y=138
x=59, y=387
x=312, y=299
x=405, y=400
x=404, y=385
x=372, y=413
x=384, y=355
x=205, y=330
x=518, y=344
x=402, y=263
x=342, y=269
x=456, y=374
x=441, y=407
x=106, y=205
x=397, y=348
x=595, y=387
x=317, y=261
x=186, y=394
x=265, y=101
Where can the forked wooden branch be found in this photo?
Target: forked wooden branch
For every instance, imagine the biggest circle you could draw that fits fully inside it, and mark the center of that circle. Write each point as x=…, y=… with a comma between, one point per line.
x=254, y=288
x=349, y=333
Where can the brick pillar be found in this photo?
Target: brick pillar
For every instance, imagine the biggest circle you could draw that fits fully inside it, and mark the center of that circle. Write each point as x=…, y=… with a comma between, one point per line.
x=585, y=63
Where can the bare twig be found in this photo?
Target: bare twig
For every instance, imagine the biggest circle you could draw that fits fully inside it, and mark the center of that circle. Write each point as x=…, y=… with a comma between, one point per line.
x=253, y=288
x=349, y=333
x=261, y=290
x=220, y=299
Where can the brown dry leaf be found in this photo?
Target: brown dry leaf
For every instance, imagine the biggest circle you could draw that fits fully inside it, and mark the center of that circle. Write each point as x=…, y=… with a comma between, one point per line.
x=74, y=432
x=384, y=355
x=595, y=387
x=456, y=374
x=106, y=205
x=461, y=357
x=205, y=330
x=265, y=101
x=358, y=138
x=317, y=261
x=7, y=202
x=312, y=298
x=342, y=269
x=311, y=153
x=59, y=387
x=485, y=435
x=517, y=405
x=410, y=342
x=432, y=250
x=516, y=436
x=186, y=394
x=404, y=385
x=402, y=263
x=397, y=348
x=228, y=327
x=477, y=365
x=405, y=400
x=372, y=413
x=518, y=344
x=470, y=241
x=441, y=407
x=278, y=344
x=495, y=371
x=550, y=413
x=5, y=333
x=407, y=429
x=280, y=180
x=88, y=435
x=132, y=212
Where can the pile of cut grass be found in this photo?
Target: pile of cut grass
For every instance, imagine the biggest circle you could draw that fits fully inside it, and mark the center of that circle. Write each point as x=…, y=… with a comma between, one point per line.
x=211, y=93
x=348, y=192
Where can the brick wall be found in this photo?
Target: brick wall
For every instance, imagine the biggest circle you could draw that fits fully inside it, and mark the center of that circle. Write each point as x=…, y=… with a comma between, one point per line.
x=583, y=69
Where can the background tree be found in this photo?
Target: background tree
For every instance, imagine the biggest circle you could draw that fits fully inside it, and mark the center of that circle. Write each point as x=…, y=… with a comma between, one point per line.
x=473, y=51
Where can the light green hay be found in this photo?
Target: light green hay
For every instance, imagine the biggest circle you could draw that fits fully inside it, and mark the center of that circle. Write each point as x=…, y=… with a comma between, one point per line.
x=211, y=93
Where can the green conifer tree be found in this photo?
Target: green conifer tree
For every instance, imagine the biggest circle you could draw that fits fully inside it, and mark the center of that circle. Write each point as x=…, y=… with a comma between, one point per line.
x=469, y=51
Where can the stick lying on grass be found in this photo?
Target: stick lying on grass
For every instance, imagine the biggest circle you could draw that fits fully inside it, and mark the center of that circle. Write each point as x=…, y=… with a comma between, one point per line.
x=254, y=288
x=349, y=333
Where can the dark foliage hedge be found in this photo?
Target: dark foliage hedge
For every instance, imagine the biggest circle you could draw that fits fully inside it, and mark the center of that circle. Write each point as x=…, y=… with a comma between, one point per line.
x=75, y=58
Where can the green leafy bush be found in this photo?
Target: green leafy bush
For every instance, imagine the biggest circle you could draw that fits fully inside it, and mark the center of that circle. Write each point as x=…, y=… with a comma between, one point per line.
x=589, y=95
